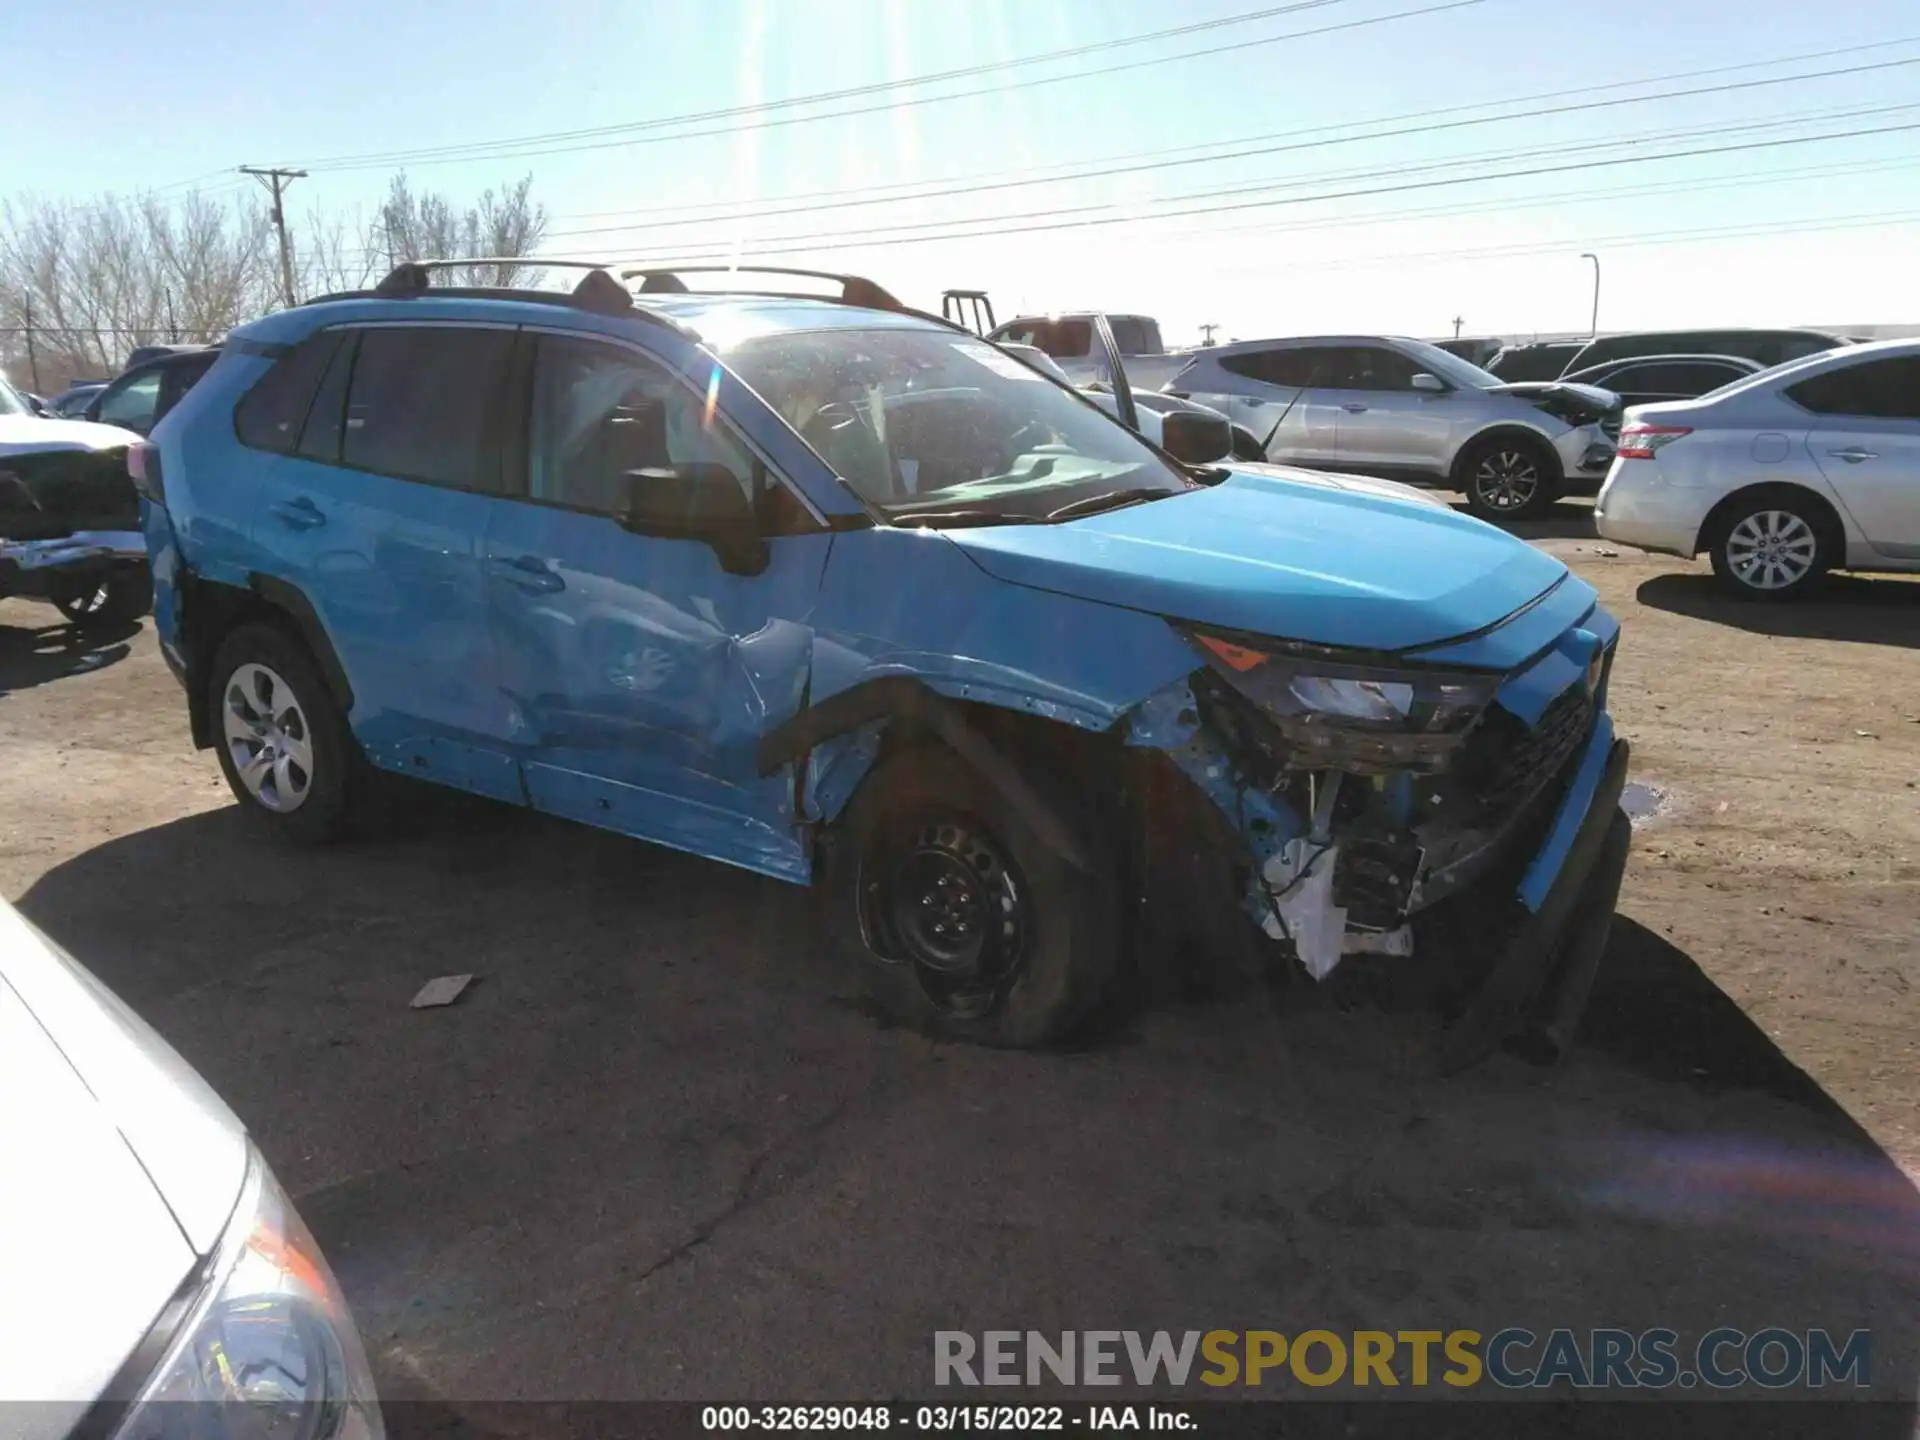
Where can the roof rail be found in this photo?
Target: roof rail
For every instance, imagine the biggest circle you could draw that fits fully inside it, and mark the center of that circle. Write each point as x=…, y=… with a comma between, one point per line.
x=854, y=289
x=598, y=290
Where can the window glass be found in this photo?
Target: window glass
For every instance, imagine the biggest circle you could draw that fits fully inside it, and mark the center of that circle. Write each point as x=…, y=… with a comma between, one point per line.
x=269, y=415
x=1878, y=390
x=1135, y=335
x=326, y=416
x=133, y=403
x=1064, y=339
x=923, y=421
x=1372, y=367
x=176, y=380
x=1697, y=377
x=420, y=402
x=1293, y=368
x=600, y=411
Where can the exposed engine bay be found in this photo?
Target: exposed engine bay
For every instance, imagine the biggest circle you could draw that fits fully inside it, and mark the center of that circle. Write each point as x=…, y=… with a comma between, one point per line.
x=1362, y=800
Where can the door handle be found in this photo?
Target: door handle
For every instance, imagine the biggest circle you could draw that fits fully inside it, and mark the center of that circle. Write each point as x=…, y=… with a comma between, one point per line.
x=529, y=572
x=300, y=514
x=1853, y=454
x=1352, y=407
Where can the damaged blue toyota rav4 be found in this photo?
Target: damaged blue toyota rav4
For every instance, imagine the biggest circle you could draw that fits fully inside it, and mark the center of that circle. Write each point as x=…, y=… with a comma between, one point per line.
x=836, y=591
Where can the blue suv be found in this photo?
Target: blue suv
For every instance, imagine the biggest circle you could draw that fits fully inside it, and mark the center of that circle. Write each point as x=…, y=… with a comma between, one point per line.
x=838, y=592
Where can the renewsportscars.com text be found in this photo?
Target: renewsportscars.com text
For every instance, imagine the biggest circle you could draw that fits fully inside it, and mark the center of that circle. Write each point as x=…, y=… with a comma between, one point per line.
x=1512, y=1358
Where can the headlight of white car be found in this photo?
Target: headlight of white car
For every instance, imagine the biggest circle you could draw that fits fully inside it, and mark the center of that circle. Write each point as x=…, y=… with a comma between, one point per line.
x=269, y=1349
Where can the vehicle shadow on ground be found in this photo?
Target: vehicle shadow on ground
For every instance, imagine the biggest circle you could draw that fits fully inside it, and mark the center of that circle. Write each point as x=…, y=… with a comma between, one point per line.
x=37, y=654
x=1846, y=607
x=655, y=1151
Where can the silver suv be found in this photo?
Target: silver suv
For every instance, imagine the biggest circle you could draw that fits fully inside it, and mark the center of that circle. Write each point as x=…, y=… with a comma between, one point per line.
x=1406, y=410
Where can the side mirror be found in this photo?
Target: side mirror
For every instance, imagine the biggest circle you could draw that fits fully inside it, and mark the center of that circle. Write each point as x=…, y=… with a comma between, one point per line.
x=697, y=501
x=1194, y=438
x=1432, y=384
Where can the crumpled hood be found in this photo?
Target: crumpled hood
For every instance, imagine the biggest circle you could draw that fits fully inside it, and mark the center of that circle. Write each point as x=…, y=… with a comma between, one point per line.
x=1274, y=552
x=1535, y=389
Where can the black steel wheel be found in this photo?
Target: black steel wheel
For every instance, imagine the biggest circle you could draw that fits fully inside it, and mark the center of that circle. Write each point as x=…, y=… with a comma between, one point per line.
x=956, y=916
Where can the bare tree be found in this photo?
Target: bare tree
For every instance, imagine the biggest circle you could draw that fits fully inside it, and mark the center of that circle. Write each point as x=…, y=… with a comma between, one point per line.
x=426, y=226
x=94, y=280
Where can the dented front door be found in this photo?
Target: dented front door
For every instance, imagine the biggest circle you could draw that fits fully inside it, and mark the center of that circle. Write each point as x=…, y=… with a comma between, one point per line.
x=641, y=672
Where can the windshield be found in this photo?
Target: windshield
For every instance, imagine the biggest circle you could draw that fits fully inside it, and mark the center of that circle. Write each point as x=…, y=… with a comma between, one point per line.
x=11, y=402
x=1461, y=374
x=929, y=426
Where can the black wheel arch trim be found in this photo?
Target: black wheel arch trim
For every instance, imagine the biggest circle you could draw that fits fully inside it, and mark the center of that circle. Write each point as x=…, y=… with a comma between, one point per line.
x=899, y=697
x=291, y=599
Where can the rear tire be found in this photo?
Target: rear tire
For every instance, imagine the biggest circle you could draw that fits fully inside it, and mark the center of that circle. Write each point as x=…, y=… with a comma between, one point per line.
x=119, y=597
x=1509, y=477
x=1772, y=545
x=283, y=742
x=957, y=919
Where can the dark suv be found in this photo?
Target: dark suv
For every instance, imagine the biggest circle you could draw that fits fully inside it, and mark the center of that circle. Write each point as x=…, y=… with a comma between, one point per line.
x=1767, y=347
x=137, y=398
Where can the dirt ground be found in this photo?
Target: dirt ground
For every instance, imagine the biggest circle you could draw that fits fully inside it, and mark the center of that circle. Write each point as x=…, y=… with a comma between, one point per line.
x=656, y=1152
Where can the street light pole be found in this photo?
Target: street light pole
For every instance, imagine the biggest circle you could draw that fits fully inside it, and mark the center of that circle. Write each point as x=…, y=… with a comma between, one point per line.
x=1585, y=255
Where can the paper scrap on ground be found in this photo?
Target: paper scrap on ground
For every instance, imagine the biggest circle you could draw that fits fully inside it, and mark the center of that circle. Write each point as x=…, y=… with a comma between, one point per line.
x=442, y=990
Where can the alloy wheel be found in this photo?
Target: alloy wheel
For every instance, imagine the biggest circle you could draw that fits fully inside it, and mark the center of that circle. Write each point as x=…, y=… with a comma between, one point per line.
x=941, y=897
x=1507, y=480
x=268, y=738
x=78, y=605
x=1772, y=549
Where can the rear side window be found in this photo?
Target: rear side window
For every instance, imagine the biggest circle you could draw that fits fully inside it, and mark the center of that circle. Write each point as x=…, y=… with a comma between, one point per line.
x=1293, y=368
x=1876, y=390
x=1136, y=335
x=271, y=414
x=327, y=415
x=132, y=403
x=1062, y=339
x=421, y=403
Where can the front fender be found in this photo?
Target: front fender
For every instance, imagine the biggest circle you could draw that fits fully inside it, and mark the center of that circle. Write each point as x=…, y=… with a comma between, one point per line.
x=897, y=602
x=908, y=622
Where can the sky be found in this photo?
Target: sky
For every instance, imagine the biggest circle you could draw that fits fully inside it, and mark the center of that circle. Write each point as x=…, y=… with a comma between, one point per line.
x=1387, y=197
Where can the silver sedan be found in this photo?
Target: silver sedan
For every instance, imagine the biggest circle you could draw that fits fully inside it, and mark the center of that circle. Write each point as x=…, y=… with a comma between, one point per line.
x=1805, y=468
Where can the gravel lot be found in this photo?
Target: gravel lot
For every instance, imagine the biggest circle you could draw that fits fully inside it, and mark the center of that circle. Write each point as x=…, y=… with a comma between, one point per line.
x=656, y=1151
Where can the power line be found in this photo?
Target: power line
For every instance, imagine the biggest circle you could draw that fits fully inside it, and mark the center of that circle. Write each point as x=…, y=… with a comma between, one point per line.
x=856, y=91
x=781, y=246
x=1299, y=138
x=497, y=150
x=1050, y=218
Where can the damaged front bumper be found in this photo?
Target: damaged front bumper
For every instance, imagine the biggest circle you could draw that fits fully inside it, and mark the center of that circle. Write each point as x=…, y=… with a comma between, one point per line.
x=74, y=549
x=1343, y=851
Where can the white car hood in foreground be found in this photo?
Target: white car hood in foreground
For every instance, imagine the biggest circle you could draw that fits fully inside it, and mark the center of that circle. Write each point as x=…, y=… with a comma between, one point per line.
x=121, y=1168
x=29, y=434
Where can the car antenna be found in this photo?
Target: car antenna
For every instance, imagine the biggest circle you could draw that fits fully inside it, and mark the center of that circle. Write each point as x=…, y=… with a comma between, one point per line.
x=1313, y=371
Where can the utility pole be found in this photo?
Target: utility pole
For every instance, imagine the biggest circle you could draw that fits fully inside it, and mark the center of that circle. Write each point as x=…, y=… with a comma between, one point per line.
x=277, y=182
x=33, y=357
x=173, y=330
x=1207, y=331
x=1586, y=255
x=1457, y=323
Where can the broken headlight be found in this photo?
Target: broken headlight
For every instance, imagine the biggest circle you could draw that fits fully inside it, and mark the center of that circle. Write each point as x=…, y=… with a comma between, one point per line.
x=1341, y=714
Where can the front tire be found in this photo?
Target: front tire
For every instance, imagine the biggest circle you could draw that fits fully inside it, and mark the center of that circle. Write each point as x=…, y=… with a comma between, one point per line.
x=283, y=742
x=957, y=919
x=1772, y=546
x=1509, y=477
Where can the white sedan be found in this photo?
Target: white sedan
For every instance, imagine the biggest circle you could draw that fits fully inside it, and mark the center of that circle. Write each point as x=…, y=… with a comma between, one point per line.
x=154, y=1280
x=1805, y=468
